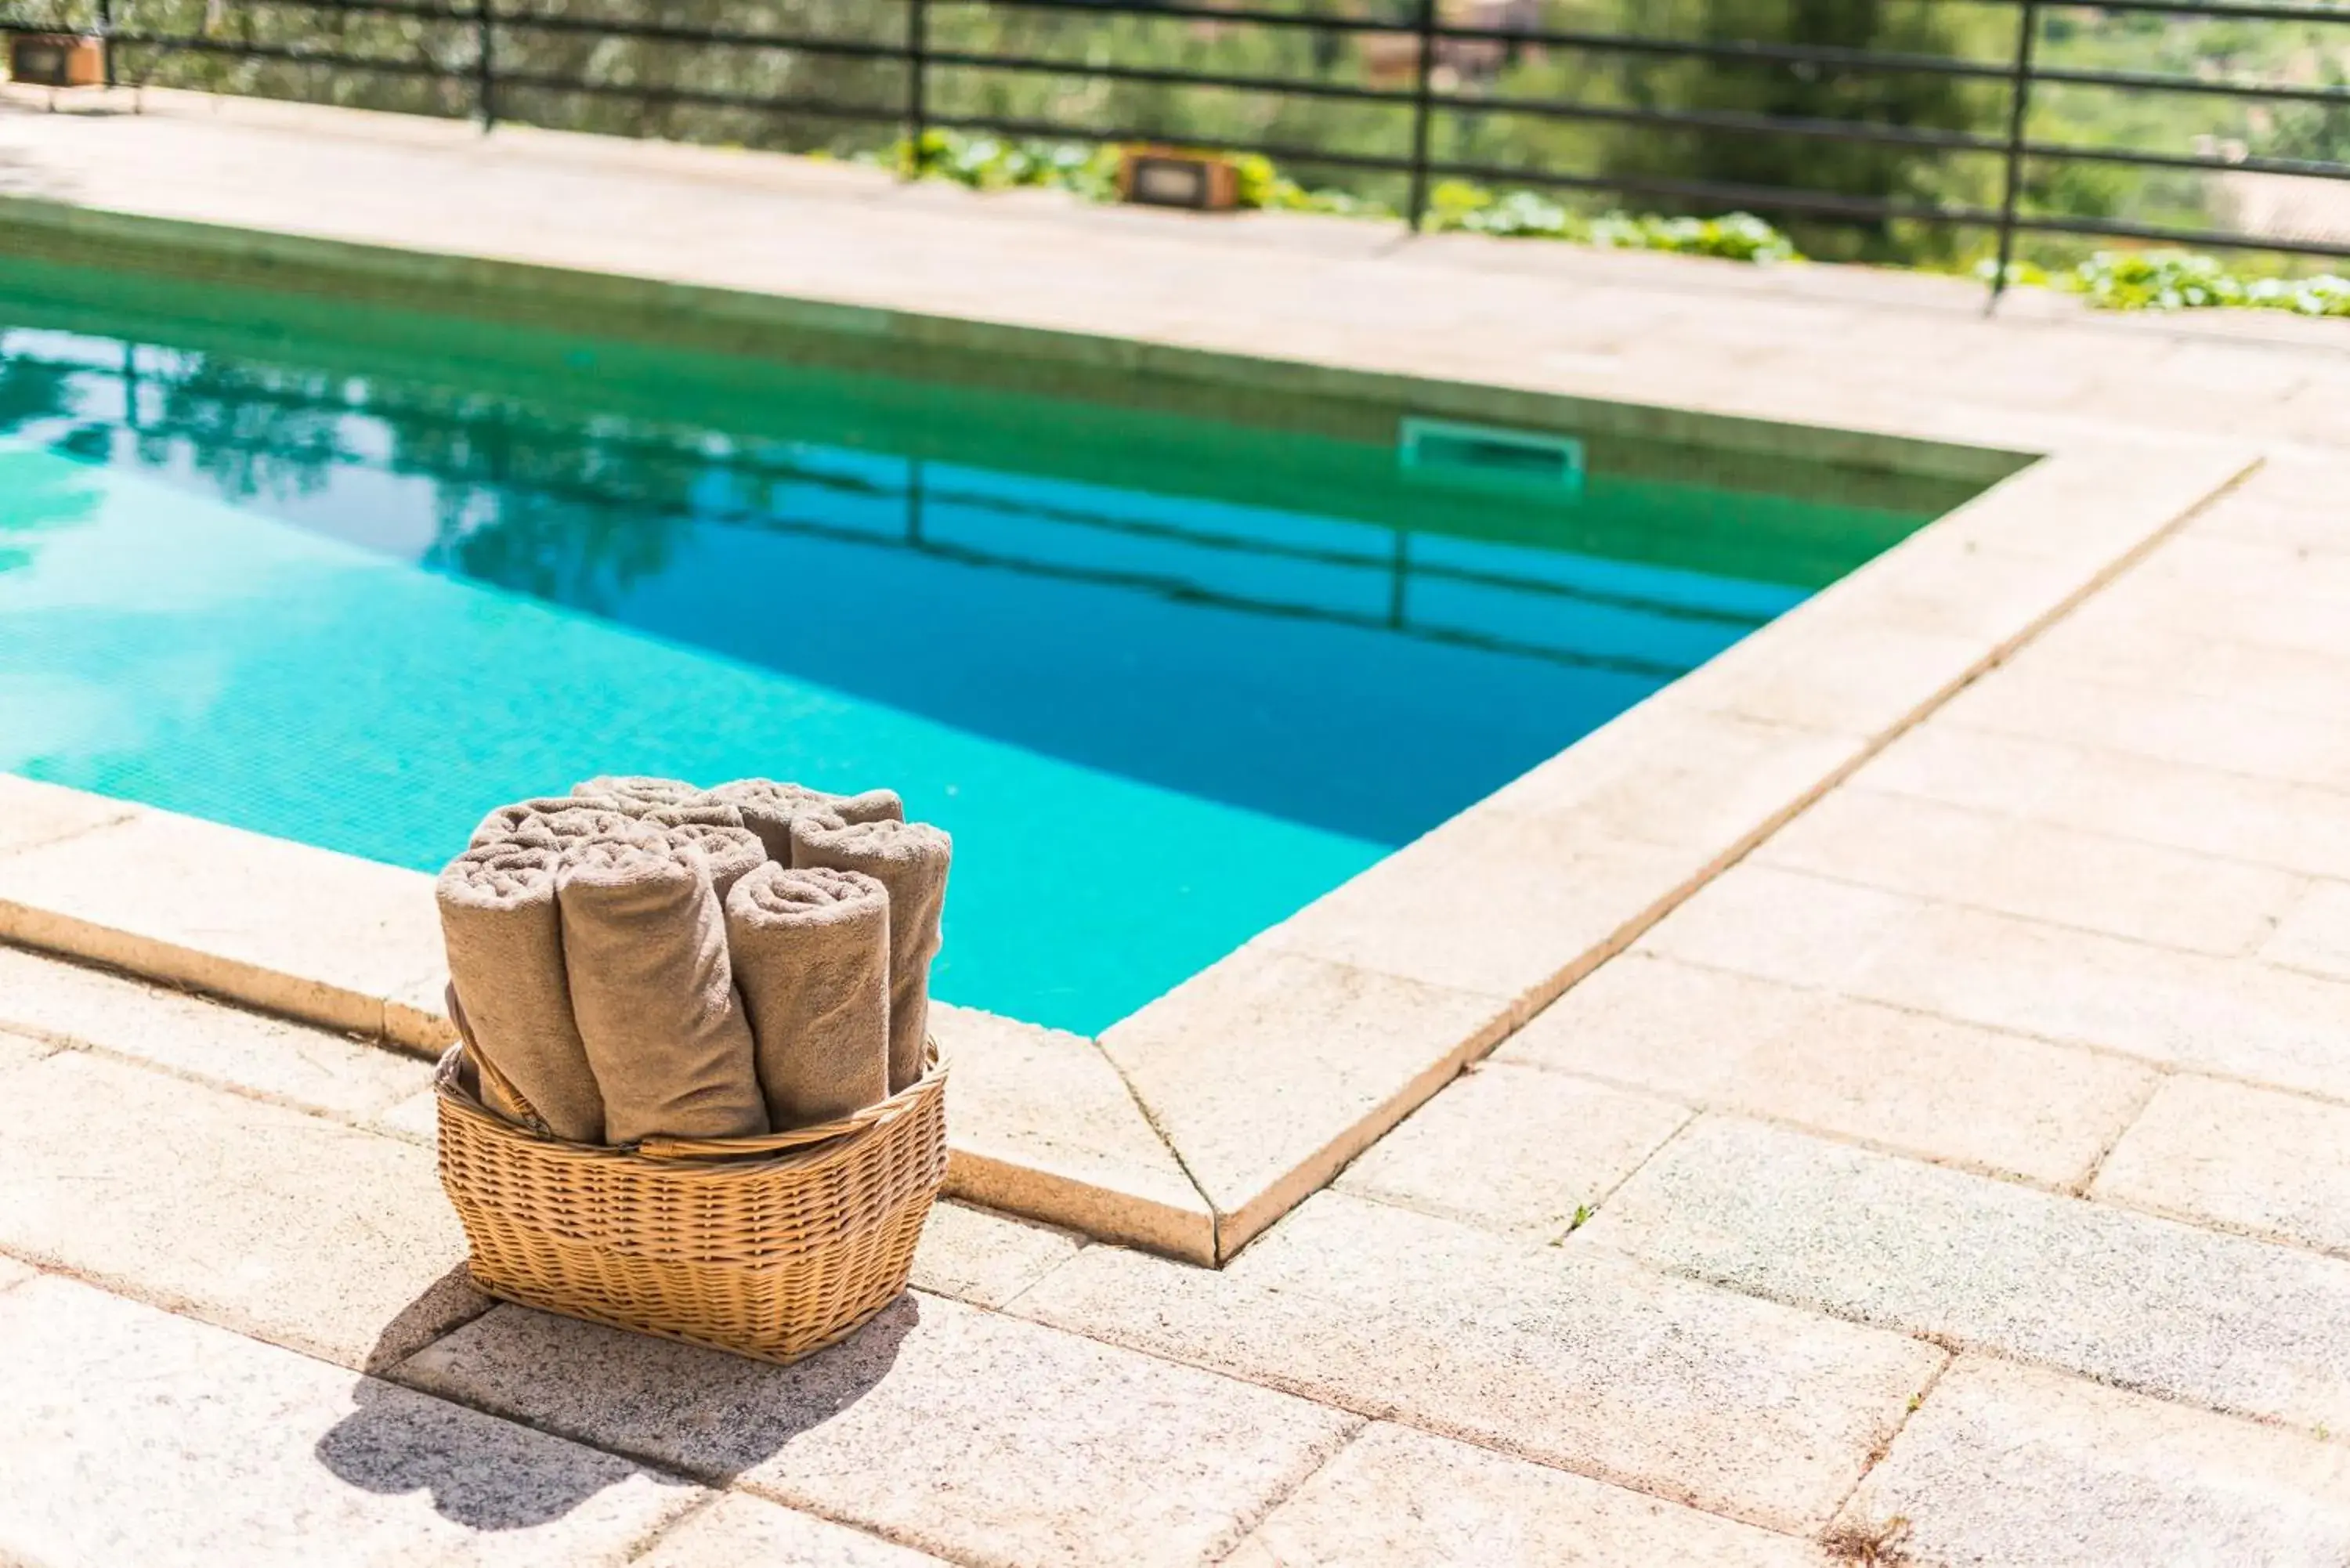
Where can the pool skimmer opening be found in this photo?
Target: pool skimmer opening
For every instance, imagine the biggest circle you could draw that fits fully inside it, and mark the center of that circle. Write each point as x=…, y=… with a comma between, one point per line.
x=1453, y=451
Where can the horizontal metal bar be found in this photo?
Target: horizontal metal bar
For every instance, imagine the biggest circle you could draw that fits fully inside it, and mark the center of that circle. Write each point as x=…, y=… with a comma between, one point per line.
x=289, y=54
x=2203, y=10
x=2307, y=168
x=1764, y=198
x=1286, y=152
x=1727, y=120
x=1285, y=86
x=2215, y=239
x=850, y=49
x=765, y=103
x=2138, y=81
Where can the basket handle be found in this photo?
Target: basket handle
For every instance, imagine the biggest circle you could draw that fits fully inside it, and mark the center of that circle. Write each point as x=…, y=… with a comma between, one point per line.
x=796, y=1137
x=767, y=1143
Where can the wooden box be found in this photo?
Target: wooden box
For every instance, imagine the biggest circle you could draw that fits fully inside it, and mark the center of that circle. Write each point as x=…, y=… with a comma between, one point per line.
x=1168, y=177
x=57, y=59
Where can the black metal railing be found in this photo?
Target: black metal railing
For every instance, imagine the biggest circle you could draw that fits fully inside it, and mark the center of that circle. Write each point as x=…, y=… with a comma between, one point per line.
x=483, y=57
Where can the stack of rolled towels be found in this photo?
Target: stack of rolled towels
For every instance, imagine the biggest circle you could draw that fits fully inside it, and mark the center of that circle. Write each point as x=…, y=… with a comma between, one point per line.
x=643, y=957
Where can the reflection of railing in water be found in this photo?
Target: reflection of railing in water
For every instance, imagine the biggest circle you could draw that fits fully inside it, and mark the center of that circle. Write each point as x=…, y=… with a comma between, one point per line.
x=492, y=440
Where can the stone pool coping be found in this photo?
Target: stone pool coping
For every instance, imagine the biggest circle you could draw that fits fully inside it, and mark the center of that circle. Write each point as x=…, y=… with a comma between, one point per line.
x=1197, y=1121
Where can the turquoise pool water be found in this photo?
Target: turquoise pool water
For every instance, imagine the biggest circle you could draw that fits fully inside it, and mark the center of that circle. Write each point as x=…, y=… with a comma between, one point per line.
x=352, y=576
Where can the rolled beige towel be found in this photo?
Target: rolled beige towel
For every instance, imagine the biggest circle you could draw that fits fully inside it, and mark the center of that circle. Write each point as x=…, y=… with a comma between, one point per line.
x=910, y=860
x=504, y=931
x=638, y=792
x=730, y=853
x=644, y=946
x=811, y=953
x=768, y=807
x=702, y=814
x=523, y=819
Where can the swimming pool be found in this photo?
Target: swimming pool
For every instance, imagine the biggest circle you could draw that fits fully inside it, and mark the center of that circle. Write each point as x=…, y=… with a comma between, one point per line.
x=352, y=575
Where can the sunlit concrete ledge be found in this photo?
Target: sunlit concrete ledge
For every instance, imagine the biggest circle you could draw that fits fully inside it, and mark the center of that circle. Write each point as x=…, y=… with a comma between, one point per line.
x=1197, y=1121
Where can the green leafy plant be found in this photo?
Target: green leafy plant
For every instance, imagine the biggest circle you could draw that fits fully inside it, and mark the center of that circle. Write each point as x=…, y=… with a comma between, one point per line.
x=992, y=163
x=2183, y=280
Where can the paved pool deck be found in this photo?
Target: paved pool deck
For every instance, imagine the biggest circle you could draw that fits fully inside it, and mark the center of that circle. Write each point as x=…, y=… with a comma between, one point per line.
x=1926, y=1140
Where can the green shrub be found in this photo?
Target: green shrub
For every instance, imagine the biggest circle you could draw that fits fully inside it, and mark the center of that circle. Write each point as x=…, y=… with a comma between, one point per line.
x=989, y=164
x=2182, y=280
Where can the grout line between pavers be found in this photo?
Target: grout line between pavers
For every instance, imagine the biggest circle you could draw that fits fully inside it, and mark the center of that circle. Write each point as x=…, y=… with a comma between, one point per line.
x=2093, y=1047
x=650, y=1543
x=1704, y=1107
x=2137, y=1114
x=1150, y=1120
x=70, y=834
x=1645, y=1160
x=2038, y=816
x=1877, y=1455
x=1370, y=1411
x=1962, y=1343
x=1255, y=1520
x=1851, y=879
x=1003, y=1307
x=2106, y=749
x=64, y=1045
x=2001, y=814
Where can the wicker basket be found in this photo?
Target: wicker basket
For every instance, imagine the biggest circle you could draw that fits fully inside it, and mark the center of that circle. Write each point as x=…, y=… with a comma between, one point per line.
x=772, y=1247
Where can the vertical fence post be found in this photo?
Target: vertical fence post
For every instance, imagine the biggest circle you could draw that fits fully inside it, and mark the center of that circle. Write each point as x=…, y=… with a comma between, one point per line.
x=106, y=37
x=485, y=66
x=1417, y=208
x=917, y=108
x=2019, y=106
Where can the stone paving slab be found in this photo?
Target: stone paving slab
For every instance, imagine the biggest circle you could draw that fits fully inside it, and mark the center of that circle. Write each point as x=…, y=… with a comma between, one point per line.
x=2061, y=875
x=986, y=1259
x=1515, y=1149
x=24, y=1050
x=1506, y=904
x=743, y=1532
x=1567, y=1356
x=280, y=926
x=2176, y=727
x=1994, y=1101
x=34, y=813
x=2022, y=1468
x=416, y=1118
x=2235, y=1324
x=1042, y=1124
x=2294, y=827
x=2230, y=600
x=2132, y=649
x=296, y=1230
x=2315, y=934
x=295, y=1064
x=955, y=1430
x=2231, y=1017
x=1401, y=1498
x=2247, y=1159
x=1357, y=1050
x=130, y=1435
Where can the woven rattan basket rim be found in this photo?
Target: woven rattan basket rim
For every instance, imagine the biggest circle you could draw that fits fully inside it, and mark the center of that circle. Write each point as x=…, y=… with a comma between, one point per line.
x=799, y=1146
